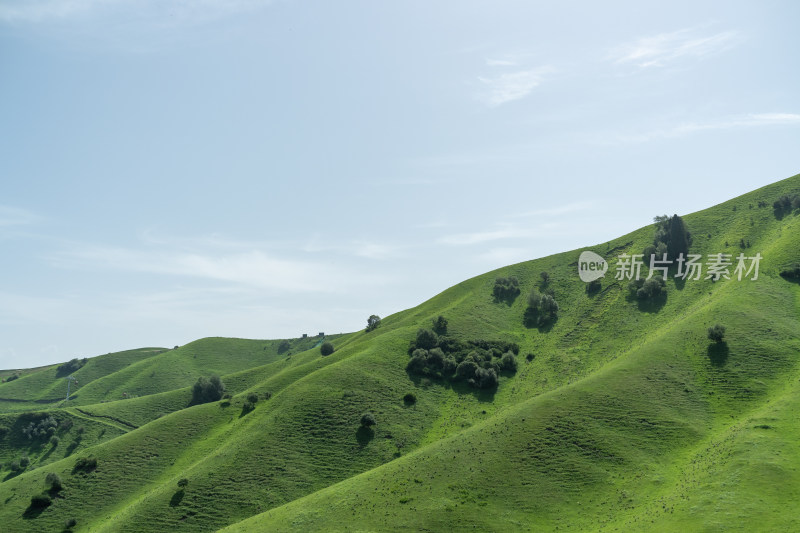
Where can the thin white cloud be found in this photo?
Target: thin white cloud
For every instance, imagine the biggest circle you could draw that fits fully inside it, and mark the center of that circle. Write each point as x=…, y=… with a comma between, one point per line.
x=510, y=86
x=15, y=216
x=751, y=120
x=659, y=50
x=254, y=268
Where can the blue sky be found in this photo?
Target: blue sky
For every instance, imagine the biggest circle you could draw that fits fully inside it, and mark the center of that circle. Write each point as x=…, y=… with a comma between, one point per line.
x=171, y=170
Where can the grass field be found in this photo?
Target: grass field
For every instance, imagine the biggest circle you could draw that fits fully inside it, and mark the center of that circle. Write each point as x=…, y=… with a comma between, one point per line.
x=625, y=417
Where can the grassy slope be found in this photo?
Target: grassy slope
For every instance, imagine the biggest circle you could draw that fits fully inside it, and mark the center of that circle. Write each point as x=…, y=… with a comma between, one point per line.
x=622, y=420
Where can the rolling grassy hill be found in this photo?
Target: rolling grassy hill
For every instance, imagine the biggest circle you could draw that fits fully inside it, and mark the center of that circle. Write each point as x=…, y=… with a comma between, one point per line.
x=621, y=415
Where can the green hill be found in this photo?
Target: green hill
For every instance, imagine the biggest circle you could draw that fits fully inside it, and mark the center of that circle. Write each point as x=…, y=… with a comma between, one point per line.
x=621, y=415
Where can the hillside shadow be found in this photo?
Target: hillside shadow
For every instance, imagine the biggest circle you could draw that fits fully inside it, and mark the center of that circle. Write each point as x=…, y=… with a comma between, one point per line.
x=33, y=511
x=459, y=387
x=533, y=319
x=718, y=353
x=13, y=474
x=506, y=299
x=651, y=305
x=593, y=288
x=679, y=283
x=482, y=395
x=364, y=435
x=47, y=453
x=177, y=498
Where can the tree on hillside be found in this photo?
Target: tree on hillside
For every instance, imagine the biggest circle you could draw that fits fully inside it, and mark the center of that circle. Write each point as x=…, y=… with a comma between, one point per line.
x=426, y=339
x=440, y=325
x=368, y=420
x=373, y=322
x=716, y=333
x=326, y=348
x=207, y=390
x=671, y=238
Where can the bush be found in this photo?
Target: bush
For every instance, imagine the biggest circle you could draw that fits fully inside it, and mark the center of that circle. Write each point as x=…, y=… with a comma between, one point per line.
x=70, y=523
x=12, y=377
x=716, y=333
x=53, y=482
x=326, y=348
x=14, y=466
x=508, y=362
x=85, y=464
x=485, y=378
x=368, y=420
x=183, y=483
x=506, y=288
x=247, y=407
x=440, y=325
x=426, y=339
x=649, y=289
x=24, y=461
x=284, y=346
x=542, y=309
x=55, y=441
x=545, y=278
x=530, y=357
x=410, y=398
x=207, y=390
x=252, y=397
x=373, y=322
x=65, y=425
x=41, y=501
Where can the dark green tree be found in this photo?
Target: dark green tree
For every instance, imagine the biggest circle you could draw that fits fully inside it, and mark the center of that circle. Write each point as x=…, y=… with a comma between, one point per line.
x=716, y=333
x=373, y=322
x=368, y=420
x=326, y=348
x=426, y=339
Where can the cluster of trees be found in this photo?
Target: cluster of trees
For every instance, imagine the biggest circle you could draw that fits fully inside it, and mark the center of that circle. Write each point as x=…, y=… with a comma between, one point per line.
x=70, y=366
x=648, y=289
x=671, y=238
x=41, y=428
x=786, y=203
x=207, y=390
x=477, y=362
x=542, y=308
x=506, y=288
x=12, y=377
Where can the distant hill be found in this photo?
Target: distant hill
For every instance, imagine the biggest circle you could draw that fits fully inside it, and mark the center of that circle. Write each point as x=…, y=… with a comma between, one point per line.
x=621, y=414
